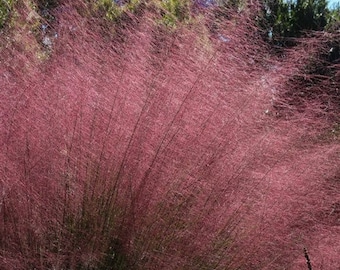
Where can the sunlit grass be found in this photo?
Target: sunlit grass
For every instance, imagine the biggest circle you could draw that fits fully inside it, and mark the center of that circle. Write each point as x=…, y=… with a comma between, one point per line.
x=154, y=150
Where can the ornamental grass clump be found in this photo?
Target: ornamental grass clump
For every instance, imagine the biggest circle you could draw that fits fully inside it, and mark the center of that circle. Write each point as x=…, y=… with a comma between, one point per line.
x=144, y=148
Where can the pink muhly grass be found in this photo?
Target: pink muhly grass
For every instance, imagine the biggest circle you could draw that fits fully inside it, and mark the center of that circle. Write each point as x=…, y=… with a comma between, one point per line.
x=161, y=150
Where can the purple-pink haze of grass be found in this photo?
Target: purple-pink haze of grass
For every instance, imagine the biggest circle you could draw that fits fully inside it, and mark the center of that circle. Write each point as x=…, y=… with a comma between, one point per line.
x=166, y=142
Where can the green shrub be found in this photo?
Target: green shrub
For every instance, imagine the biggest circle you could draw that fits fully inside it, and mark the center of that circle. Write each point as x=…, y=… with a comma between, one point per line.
x=175, y=11
x=6, y=7
x=333, y=20
x=113, y=11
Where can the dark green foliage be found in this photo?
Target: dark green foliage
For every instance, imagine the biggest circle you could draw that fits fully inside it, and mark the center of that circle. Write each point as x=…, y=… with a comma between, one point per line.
x=45, y=9
x=235, y=4
x=6, y=7
x=286, y=19
x=47, y=4
x=309, y=15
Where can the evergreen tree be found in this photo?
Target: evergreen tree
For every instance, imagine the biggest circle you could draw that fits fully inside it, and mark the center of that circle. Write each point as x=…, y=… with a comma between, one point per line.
x=309, y=15
x=293, y=18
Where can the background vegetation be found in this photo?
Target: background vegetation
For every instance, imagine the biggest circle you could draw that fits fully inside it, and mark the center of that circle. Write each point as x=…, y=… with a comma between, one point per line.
x=169, y=135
